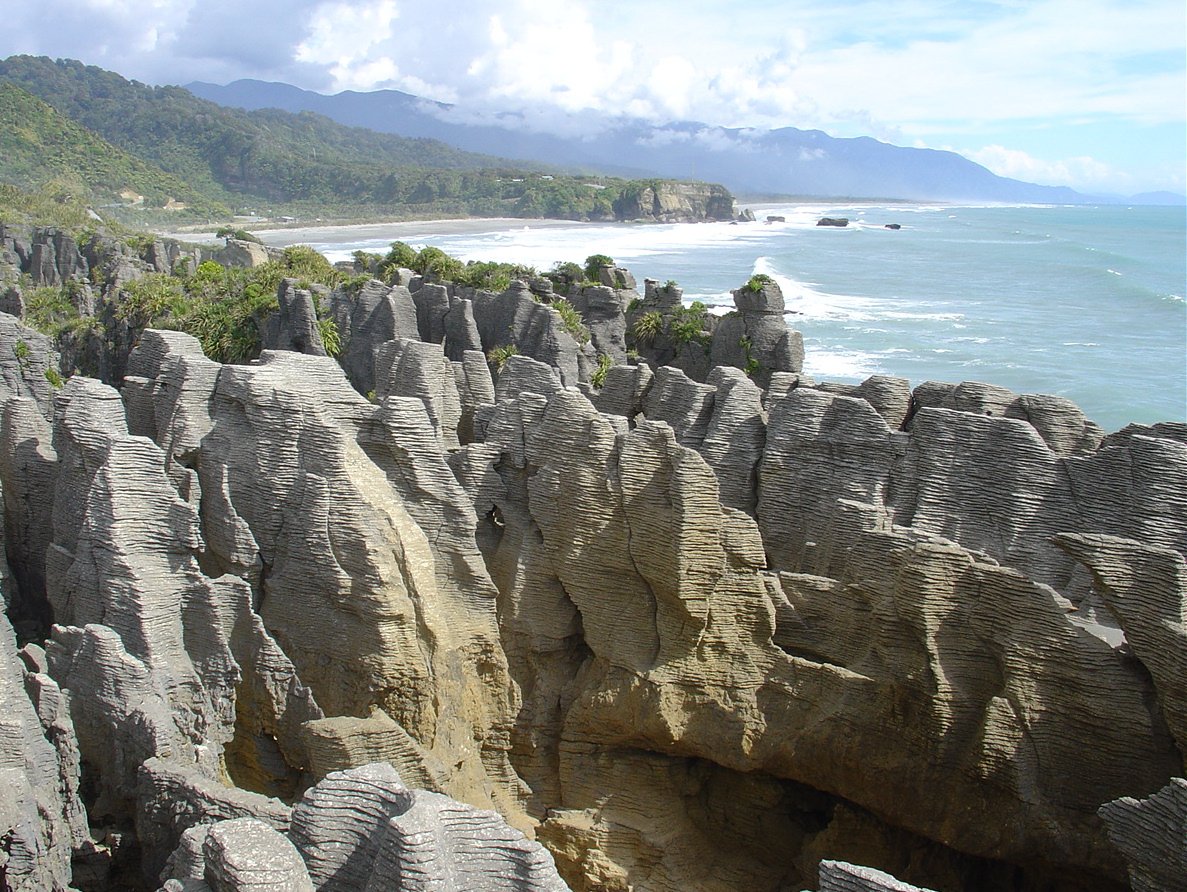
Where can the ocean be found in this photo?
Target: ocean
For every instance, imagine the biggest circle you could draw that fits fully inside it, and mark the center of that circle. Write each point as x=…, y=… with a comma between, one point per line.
x=1084, y=302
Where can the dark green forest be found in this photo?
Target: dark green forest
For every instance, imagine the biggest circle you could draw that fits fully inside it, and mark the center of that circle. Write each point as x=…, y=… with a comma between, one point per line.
x=65, y=119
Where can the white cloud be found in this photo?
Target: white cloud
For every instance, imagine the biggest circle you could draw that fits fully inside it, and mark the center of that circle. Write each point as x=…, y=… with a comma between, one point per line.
x=1081, y=173
x=925, y=70
x=342, y=36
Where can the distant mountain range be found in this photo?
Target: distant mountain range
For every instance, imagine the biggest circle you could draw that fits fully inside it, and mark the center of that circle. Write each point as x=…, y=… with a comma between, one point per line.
x=785, y=161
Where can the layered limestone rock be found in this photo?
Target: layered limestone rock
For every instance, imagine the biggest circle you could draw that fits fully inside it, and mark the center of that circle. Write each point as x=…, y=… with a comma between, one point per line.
x=247, y=854
x=837, y=876
x=41, y=816
x=890, y=397
x=603, y=310
x=28, y=362
x=1150, y=832
x=697, y=635
x=736, y=437
x=476, y=390
x=1059, y=421
x=28, y=477
x=155, y=655
x=367, y=319
x=360, y=548
x=625, y=390
x=461, y=331
x=295, y=325
x=432, y=306
x=364, y=830
x=638, y=619
x=537, y=332
x=670, y=202
x=755, y=337
x=420, y=370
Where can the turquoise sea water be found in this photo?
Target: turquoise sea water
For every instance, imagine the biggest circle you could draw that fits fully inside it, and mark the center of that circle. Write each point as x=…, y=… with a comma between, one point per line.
x=1083, y=302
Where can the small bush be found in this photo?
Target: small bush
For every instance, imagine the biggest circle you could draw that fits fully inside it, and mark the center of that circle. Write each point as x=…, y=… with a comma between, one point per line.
x=436, y=263
x=49, y=308
x=752, y=365
x=330, y=337
x=54, y=377
x=595, y=262
x=572, y=320
x=498, y=356
x=758, y=282
x=648, y=327
x=687, y=324
x=150, y=300
x=598, y=378
x=401, y=255
x=241, y=234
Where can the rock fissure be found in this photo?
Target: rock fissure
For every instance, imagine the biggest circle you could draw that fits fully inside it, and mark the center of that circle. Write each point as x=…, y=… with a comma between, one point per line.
x=717, y=639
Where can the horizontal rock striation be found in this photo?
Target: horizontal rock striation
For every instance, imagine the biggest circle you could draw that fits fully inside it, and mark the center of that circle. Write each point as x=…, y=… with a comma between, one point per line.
x=709, y=627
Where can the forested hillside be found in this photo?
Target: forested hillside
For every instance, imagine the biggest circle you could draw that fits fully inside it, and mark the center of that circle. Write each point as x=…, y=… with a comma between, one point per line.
x=266, y=160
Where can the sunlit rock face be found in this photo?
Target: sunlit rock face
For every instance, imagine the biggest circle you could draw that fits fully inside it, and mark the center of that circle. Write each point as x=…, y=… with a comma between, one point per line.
x=686, y=633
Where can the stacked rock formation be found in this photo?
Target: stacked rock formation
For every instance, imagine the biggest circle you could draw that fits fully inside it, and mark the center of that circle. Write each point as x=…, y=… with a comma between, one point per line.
x=687, y=633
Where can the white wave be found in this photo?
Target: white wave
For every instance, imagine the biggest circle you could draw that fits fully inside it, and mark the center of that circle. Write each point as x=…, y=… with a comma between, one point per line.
x=1113, y=272
x=928, y=317
x=1080, y=344
x=825, y=363
x=810, y=303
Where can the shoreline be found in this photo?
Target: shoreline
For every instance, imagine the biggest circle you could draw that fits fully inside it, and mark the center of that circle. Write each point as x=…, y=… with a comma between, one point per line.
x=338, y=233
x=281, y=234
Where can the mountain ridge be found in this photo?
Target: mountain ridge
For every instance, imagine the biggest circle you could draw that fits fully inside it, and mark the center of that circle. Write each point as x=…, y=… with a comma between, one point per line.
x=307, y=162
x=782, y=161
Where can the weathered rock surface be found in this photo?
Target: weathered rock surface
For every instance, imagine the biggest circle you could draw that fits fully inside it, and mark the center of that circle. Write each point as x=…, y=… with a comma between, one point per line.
x=670, y=202
x=513, y=317
x=837, y=876
x=410, y=368
x=363, y=829
x=366, y=320
x=755, y=337
x=603, y=309
x=294, y=326
x=1150, y=833
x=246, y=855
x=240, y=253
x=26, y=355
x=625, y=390
x=41, y=817
x=1058, y=421
x=697, y=634
x=367, y=582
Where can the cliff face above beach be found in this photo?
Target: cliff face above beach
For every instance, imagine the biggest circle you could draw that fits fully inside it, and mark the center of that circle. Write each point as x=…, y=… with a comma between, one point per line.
x=410, y=618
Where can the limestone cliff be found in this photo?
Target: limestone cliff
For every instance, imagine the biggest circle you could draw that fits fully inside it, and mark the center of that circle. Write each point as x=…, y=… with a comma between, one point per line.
x=718, y=630
x=673, y=202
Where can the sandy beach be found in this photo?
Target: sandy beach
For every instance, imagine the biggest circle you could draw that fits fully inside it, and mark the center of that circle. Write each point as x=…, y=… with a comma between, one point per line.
x=348, y=233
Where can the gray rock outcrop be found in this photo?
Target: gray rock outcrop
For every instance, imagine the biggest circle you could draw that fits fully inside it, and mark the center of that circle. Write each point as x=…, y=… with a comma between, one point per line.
x=295, y=325
x=755, y=337
x=367, y=319
x=513, y=317
x=1150, y=833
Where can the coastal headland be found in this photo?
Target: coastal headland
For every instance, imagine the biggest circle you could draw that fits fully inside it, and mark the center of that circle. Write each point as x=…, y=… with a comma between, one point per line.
x=407, y=573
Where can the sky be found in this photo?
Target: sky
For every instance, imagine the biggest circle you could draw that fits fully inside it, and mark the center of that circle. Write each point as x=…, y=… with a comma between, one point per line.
x=1090, y=94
